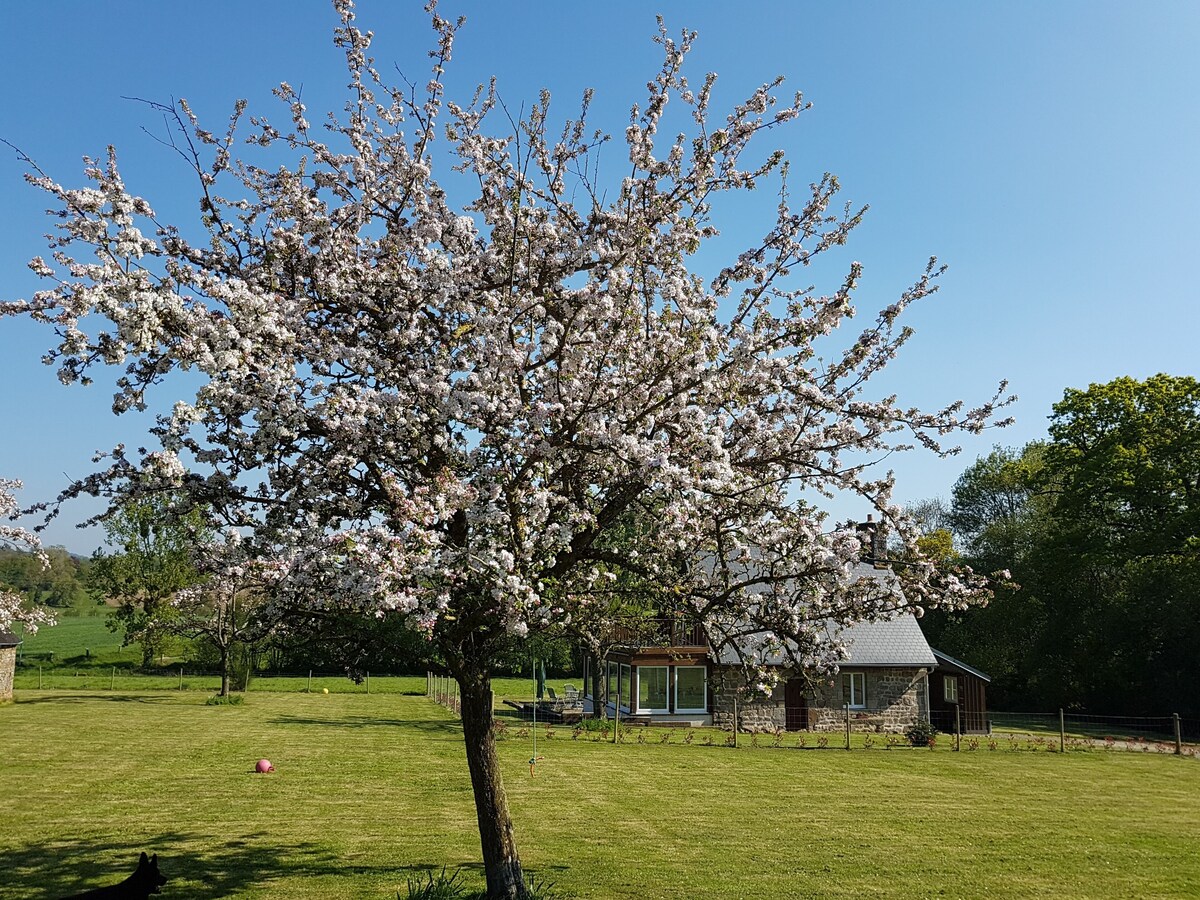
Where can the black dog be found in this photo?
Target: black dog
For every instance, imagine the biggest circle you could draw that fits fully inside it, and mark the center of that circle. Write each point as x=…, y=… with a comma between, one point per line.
x=145, y=880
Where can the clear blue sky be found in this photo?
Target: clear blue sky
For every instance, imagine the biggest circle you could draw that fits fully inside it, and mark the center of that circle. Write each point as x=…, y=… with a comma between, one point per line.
x=1048, y=152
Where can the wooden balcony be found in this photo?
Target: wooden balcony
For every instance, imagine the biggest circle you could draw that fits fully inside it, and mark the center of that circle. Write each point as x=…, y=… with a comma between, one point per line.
x=669, y=632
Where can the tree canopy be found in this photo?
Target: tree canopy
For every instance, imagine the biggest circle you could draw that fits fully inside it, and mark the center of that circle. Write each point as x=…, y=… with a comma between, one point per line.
x=445, y=412
x=1101, y=527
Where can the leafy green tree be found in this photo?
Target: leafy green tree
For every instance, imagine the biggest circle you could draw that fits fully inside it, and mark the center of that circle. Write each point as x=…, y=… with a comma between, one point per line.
x=1123, y=557
x=1100, y=526
x=150, y=560
x=998, y=516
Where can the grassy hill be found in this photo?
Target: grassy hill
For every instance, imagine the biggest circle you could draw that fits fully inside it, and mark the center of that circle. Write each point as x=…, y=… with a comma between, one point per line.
x=76, y=637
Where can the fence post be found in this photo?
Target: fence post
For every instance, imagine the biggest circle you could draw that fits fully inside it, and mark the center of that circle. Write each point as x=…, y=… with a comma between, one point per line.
x=308, y=690
x=112, y=684
x=735, y=721
x=847, y=726
x=1062, y=732
x=616, y=710
x=957, y=728
x=368, y=682
x=181, y=678
x=456, y=698
x=39, y=678
x=1178, y=735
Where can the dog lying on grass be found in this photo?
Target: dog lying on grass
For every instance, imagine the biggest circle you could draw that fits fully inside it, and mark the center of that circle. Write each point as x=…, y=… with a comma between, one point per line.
x=145, y=880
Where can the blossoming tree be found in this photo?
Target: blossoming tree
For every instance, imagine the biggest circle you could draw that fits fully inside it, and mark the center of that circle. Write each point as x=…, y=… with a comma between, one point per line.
x=14, y=608
x=452, y=414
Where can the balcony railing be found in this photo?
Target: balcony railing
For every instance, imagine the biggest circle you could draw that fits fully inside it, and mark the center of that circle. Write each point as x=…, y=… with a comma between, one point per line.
x=659, y=633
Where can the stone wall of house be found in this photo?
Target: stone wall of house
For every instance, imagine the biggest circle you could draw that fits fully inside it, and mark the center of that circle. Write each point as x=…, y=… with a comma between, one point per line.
x=8, y=664
x=895, y=697
x=895, y=701
x=755, y=713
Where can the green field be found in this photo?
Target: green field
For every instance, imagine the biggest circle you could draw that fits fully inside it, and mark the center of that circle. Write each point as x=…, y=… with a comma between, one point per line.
x=75, y=636
x=370, y=790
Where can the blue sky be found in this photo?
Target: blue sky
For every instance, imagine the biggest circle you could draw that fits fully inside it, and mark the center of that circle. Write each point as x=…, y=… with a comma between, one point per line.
x=1046, y=151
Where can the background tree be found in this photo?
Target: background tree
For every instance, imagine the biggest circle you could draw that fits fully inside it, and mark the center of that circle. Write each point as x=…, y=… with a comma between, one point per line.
x=998, y=517
x=1101, y=529
x=1124, y=465
x=225, y=606
x=150, y=561
x=55, y=578
x=15, y=609
x=443, y=412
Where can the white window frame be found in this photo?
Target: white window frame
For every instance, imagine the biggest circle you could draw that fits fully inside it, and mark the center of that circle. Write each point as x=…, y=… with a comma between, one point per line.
x=950, y=688
x=666, y=693
x=625, y=677
x=691, y=709
x=858, y=698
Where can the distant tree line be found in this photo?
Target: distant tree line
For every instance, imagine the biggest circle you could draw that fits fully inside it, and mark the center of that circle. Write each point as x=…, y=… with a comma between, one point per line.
x=1100, y=527
x=61, y=584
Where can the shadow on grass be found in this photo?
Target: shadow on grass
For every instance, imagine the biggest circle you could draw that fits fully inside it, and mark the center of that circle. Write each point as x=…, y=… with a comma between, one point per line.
x=93, y=696
x=433, y=726
x=196, y=866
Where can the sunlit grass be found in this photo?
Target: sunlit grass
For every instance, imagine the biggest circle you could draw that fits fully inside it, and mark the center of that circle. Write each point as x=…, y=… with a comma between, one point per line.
x=369, y=789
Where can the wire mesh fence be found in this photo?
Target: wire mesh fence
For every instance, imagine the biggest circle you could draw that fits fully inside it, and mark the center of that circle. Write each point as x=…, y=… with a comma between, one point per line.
x=841, y=729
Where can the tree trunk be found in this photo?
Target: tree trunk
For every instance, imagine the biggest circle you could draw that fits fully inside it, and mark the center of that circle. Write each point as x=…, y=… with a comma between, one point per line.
x=500, y=861
x=224, y=671
x=599, y=704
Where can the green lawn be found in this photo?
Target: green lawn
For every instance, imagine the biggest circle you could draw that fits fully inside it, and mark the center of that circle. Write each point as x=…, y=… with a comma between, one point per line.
x=371, y=789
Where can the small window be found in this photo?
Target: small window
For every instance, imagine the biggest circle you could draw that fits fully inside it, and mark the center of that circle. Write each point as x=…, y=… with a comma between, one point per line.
x=950, y=688
x=854, y=690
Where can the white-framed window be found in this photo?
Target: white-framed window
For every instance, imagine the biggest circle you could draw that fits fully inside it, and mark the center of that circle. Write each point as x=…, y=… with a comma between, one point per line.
x=626, y=688
x=950, y=688
x=652, y=688
x=612, y=682
x=691, y=689
x=854, y=690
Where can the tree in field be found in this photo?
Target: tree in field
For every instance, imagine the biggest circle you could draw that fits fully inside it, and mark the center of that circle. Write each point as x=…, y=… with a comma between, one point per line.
x=444, y=413
x=151, y=560
x=13, y=607
x=225, y=605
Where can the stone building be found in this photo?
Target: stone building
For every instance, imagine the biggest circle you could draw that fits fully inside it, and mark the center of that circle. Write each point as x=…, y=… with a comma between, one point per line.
x=8, y=663
x=665, y=672
x=882, y=687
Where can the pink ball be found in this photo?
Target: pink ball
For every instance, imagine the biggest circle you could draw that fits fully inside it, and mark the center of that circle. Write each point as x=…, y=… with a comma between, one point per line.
x=263, y=766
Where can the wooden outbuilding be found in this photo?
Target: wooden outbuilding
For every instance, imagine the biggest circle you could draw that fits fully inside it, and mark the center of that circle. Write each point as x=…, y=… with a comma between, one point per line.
x=954, y=687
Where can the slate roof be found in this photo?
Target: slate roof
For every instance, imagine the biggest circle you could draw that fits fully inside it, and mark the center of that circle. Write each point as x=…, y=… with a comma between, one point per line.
x=894, y=642
x=946, y=661
x=8, y=639
x=898, y=642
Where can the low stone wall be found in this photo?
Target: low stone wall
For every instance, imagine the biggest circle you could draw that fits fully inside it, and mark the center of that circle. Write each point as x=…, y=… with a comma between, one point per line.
x=895, y=702
x=8, y=664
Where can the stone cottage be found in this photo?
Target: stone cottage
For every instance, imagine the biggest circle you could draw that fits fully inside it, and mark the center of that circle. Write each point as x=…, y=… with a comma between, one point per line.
x=667, y=673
